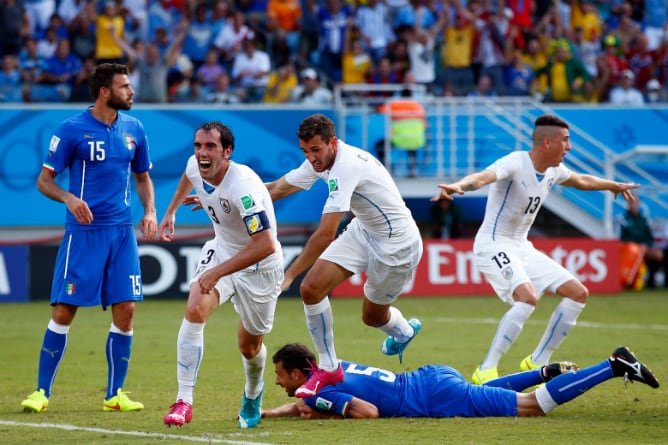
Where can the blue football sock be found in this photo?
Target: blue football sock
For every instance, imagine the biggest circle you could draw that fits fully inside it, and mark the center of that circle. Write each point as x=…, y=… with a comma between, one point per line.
x=50, y=356
x=569, y=385
x=118, y=359
x=518, y=381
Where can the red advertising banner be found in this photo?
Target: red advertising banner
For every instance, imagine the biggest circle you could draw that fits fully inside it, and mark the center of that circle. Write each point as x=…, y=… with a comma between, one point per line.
x=447, y=268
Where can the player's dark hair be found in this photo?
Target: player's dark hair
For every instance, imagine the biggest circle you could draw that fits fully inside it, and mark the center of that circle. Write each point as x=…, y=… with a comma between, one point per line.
x=103, y=76
x=295, y=356
x=226, y=136
x=550, y=120
x=316, y=125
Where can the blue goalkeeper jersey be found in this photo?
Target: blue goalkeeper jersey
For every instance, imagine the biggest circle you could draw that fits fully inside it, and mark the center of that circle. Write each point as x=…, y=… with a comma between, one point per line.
x=429, y=391
x=101, y=159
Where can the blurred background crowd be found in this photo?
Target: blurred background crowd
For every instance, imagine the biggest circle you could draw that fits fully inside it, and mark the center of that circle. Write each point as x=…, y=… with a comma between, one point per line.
x=296, y=51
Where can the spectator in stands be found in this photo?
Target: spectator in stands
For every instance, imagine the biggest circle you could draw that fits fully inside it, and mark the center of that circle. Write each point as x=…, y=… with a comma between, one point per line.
x=31, y=64
x=219, y=16
x=69, y=9
x=635, y=228
x=250, y=70
x=39, y=12
x=356, y=62
x=445, y=218
x=82, y=29
x=414, y=13
x=625, y=29
x=210, y=70
x=610, y=66
x=536, y=56
x=585, y=15
x=57, y=78
x=654, y=93
x=199, y=36
x=110, y=27
x=46, y=47
x=153, y=67
x=625, y=93
x=57, y=23
x=283, y=21
x=229, y=40
x=422, y=49
x=567, y=75
x=162, y=14
x=483, y=87
x=224, y=93
x=10, y=79
x=656, y=17
x=310, y=92
x=372, y=21
x=80, y=89
x=135, y=14
x=641, y=60
x=400, y=62
x=14, y=26
x=519, y=76
x=282, y=82
x=195, y=93
x=383, y=73
x=456, y=55
x=489, y=52
x=584, y=49
x=309, y=33
x=333, y=21
x=255, y=12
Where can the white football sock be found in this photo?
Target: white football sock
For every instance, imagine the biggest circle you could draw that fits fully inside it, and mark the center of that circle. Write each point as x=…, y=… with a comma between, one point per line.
x=320, y=323
x=509, y=328
x=189, y=351
x=254, y=370
x=561, y=322
x=398, y=326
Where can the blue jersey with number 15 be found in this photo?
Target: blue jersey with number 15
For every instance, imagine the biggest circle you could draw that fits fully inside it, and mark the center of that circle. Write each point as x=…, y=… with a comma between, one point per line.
x=101, y=159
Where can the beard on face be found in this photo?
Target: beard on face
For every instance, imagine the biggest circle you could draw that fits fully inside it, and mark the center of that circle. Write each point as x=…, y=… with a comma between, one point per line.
x=117, y=103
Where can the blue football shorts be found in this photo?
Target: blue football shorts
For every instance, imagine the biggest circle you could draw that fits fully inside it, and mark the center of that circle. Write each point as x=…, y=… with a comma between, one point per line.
x=99, y=266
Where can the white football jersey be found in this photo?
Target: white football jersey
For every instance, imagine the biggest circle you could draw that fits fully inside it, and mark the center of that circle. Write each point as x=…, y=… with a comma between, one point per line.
x=238, y=207
x=516, y=197
x=359, y=183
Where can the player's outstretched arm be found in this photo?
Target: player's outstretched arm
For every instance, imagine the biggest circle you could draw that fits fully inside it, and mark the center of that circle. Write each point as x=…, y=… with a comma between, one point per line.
x=469, y=183
x=287, y=410
x=591, y=182
x=281, y=188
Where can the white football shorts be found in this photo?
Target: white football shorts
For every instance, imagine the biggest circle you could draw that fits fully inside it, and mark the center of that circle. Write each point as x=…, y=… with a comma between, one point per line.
x=254, y=293
x=390, y=264
x=506, y=265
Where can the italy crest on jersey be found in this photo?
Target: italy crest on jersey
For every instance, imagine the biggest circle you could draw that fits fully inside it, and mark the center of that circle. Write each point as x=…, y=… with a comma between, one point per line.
x=128, y=141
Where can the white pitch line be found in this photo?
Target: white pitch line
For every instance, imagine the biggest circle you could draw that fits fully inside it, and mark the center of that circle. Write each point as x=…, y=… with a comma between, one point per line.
x=586, y=324
x=157, y=436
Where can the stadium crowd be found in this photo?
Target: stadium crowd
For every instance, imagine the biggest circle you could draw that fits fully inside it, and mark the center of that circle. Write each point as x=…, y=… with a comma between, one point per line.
x=295, y=51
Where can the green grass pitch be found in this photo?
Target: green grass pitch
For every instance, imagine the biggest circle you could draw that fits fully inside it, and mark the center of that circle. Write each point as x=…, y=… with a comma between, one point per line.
x=456, y=331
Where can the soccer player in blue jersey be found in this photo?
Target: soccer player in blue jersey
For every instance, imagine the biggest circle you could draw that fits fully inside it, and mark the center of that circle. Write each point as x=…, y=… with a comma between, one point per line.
x=441, y=391
x=98, y=260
